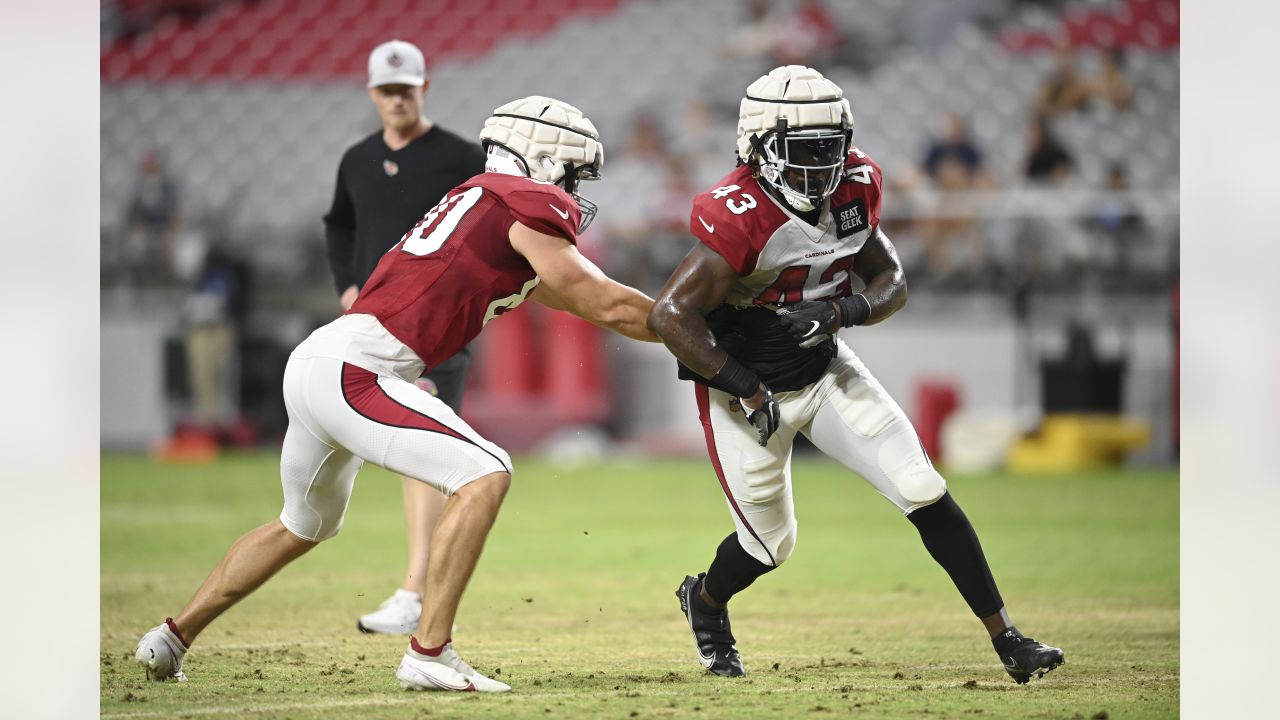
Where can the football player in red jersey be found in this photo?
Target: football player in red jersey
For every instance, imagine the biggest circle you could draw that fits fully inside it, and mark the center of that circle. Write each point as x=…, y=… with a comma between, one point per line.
x=791, y=251
x=503, y=236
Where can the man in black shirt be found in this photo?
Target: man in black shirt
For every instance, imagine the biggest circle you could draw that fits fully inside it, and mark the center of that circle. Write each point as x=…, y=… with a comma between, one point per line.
x=386, y=183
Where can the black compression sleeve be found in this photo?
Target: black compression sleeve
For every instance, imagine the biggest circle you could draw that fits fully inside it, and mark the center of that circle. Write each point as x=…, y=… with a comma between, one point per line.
x=854, y=310
x=736, y=378
x=733, y=570
x=950, y=539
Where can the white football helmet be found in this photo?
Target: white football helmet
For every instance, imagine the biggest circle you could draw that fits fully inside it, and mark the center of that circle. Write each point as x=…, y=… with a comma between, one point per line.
x=795, y=127
x=548, y=140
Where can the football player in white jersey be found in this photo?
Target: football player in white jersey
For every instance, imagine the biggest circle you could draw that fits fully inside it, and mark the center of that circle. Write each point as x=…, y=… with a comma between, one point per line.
x=791, y=251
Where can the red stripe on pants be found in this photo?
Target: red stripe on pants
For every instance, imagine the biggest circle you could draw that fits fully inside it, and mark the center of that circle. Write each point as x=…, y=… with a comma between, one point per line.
x=704, y=414
x=364, y=395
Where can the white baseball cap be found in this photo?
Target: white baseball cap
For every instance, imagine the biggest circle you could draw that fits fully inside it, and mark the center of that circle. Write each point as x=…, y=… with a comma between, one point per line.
x=397, y=63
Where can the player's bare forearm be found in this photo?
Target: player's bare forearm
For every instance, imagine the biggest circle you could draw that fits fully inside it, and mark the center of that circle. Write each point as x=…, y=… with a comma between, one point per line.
x=607, y=304
x=573, y=283
x=697, y=286
x=627, y=313
x=685, y=333
x=879, y=267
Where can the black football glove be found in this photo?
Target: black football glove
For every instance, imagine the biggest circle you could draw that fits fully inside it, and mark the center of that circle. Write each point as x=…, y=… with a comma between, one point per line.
x=766, y=419
x=809, y=321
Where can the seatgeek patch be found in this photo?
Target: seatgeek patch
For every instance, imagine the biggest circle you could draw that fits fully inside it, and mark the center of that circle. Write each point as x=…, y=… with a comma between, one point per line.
x=850, y=218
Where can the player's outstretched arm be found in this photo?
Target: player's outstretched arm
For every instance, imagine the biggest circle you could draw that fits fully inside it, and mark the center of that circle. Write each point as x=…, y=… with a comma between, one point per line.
x=572, y=282
x=878, y=265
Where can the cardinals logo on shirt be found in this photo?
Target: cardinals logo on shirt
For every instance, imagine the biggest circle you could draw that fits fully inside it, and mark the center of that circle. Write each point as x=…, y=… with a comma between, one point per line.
x=390, y=167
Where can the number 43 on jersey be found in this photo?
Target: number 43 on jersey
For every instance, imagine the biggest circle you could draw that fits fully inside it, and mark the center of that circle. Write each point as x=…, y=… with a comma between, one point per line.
x=736, y=206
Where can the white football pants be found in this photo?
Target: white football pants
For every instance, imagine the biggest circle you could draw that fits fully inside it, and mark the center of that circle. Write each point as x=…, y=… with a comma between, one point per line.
x=341, y=415
x=848, y=416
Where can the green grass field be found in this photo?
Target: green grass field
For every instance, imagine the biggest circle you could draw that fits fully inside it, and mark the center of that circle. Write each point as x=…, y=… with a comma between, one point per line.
x=573, y=602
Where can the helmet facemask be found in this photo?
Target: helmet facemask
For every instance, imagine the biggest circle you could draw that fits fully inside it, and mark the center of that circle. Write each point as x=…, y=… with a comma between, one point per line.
x=572, y=177
x=503, y=159
x=803, y=164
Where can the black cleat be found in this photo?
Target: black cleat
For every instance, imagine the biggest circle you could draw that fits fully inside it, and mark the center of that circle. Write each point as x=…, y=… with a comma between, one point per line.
x=1030, y=658
x=711, y=633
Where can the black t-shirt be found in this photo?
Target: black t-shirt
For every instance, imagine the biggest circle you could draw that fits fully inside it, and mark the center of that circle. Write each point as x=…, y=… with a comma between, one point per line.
x=381, y=193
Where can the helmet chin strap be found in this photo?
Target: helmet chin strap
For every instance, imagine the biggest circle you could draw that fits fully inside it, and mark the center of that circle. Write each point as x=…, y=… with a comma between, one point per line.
x=791, y=199
x=801, y=204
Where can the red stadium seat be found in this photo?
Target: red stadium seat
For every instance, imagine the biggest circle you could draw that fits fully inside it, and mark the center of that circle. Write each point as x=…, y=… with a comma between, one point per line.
x=301, y=35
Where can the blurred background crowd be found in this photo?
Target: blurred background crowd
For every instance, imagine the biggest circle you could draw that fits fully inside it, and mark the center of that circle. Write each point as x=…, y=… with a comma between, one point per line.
x=1029, y=149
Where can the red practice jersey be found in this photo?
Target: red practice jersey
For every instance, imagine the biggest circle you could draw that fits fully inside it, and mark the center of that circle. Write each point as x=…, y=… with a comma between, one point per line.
x=456, y=270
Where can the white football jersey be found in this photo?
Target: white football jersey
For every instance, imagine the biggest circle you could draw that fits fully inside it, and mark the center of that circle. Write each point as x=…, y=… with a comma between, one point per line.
x=780, y=258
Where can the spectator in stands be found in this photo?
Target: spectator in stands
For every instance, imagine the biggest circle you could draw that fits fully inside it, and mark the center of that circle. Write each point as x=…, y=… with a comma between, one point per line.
x=1119, y=226
x=1112, y=85
x=154, y=219
x=386, y=183
x=954, y=254
x=1052, y=248
x=212, y=313
x=1047, y=159
x=638, y=192
x=955, y=146
x=1065, y=90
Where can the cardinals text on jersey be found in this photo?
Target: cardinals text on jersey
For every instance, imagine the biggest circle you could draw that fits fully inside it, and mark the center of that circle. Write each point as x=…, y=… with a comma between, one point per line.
x=780, y=260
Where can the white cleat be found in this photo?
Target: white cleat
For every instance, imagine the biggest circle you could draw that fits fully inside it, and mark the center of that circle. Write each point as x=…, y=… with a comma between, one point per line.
x=445, y=671
x=397, y=615
x=160, y=653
